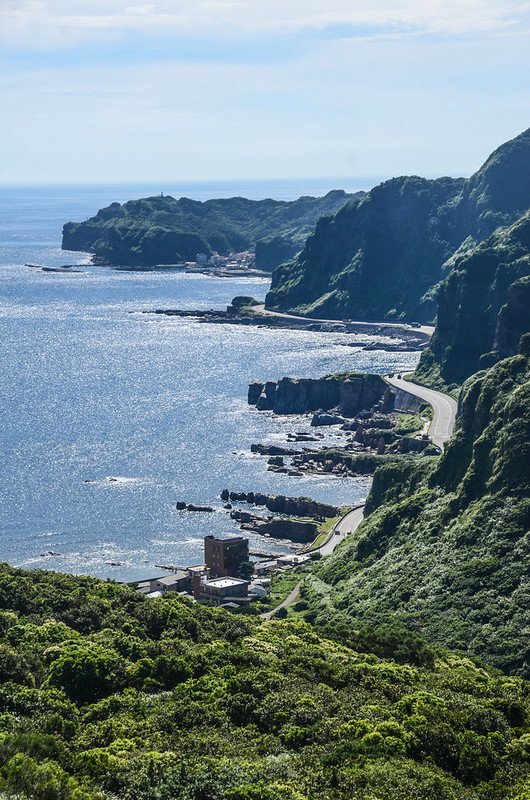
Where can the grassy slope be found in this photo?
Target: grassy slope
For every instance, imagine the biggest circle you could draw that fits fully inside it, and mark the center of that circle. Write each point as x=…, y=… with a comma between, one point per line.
x=444, y=547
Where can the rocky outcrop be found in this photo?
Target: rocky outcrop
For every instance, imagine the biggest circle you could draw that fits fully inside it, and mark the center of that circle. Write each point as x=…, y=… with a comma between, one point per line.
x=278, y=528
x=254, y=391
x=349, y=394
x=272, y=450
x=340, y=462
x=320, y=420
x=182, y=506
x=279, y=504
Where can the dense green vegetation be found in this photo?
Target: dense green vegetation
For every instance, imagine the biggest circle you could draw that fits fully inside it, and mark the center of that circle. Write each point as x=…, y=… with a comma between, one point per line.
x=354, y=696
x=483, y=307
x=380, y=257
x=108, y=694
x=162, y=230
x=444, y=547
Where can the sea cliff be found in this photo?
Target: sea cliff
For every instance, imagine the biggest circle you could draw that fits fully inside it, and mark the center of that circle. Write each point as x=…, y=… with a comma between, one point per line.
x=381, y=257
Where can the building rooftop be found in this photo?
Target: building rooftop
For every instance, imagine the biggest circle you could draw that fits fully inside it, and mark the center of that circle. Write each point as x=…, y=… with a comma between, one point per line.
x=169, y=580
x=230, y=539
x=224, y=583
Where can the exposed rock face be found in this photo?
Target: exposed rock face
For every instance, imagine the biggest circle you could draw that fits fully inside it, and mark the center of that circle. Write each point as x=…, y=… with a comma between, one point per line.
x=483, y=306
x=293, y=506
x=513, y=320
x=349, y=394
x=320, y=420
x=406, y=402
x=294, y=530
x=254, y=391
x=266, y=399
x=300, y=395
x=379, y=257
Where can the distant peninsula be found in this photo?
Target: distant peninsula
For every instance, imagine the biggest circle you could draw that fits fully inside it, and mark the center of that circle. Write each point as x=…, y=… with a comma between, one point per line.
x=164, y=230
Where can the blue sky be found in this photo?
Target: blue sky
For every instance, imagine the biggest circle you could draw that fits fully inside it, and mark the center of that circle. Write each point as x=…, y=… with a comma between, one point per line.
x=125, y=90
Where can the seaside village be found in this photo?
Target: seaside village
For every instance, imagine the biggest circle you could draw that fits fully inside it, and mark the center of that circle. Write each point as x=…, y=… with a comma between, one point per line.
x=232, y=263
x=227, y=578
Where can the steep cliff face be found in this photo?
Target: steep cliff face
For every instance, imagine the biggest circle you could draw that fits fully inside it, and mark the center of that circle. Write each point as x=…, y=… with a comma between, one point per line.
x=378, y=258
x=348, y=394
x=375, y=258
x=162, y=230
x=499, y=192
x=483, y=307
x=444, y=547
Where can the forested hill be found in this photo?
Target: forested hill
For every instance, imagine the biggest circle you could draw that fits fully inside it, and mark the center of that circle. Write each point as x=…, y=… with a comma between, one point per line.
x=444, y=546
x=107, y=694
x=380, y=257
x=483, y=307
x=163, y=230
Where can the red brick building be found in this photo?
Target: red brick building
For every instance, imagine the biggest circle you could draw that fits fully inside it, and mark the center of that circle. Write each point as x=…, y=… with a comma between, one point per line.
x=223, y=557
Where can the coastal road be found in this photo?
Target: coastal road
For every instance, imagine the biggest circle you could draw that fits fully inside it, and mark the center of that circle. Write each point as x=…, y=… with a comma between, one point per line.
x=426, y=330
x=348, y=524
x=343, y=528
x=289, y=600
x=444, y=409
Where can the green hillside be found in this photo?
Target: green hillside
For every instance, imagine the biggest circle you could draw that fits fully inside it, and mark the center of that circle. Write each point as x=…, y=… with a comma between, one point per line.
x=109, y=694
x=444, y=546
x=163, y=230
x=483, y=307
x=380, y=257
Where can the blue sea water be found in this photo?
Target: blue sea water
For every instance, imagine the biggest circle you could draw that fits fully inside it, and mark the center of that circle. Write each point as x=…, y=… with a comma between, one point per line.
x=93, y=389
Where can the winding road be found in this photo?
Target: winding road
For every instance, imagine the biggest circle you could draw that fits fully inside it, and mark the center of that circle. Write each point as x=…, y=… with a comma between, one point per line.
x=444, y=409
x=344, y=527
x=348, y=524
x=441, y=429
x=426, y=330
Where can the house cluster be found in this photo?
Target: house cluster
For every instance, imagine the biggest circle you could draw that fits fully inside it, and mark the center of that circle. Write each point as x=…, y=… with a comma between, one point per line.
x=280, y=564
x=233, y=261
x=219, y=579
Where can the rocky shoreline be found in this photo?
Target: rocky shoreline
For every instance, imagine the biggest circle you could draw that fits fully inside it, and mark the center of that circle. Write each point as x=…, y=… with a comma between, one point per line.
x=401, y=339
x=376, y=422
x=362, y=408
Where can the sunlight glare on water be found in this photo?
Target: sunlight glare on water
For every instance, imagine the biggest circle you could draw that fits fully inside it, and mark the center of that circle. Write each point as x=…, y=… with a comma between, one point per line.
x=93, y=390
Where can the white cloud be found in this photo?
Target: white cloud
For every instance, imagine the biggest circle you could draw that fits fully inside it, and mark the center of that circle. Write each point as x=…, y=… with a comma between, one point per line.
x=41, y=23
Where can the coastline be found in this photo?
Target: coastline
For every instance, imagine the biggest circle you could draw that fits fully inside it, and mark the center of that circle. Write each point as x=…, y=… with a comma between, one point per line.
x=105, y=555
x=397, y=338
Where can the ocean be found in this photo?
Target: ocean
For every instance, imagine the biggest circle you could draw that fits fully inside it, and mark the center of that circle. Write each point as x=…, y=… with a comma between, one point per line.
x=109, y=415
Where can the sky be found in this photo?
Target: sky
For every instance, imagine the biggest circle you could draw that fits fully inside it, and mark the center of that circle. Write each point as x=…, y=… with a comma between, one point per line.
x=130, y=91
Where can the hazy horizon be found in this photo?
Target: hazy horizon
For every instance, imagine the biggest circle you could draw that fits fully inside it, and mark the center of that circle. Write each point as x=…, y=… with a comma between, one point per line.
x=116, y=91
